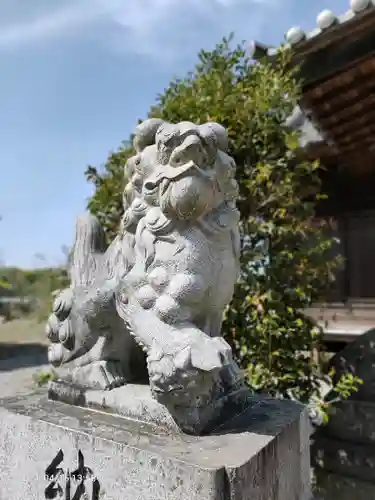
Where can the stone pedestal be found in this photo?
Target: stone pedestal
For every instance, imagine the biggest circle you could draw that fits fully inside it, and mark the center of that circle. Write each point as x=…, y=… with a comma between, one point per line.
x=262, y=455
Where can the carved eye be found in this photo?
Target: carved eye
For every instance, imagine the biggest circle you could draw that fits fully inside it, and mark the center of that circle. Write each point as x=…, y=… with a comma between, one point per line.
x=176, y=162
x=149, y=186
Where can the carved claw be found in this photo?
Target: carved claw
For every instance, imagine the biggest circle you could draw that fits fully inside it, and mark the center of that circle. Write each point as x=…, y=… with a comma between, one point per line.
x=52, y=328
x=107, y=374
x=63, y=304
x=66, y=335
x=59, y=331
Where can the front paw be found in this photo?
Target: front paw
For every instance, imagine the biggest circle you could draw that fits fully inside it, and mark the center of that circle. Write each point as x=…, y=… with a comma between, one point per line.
x=106, y=375
x=61, y=332
x=63, y=304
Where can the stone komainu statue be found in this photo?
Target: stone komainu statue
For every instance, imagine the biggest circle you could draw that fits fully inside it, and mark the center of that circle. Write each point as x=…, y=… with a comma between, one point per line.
x=150, y=306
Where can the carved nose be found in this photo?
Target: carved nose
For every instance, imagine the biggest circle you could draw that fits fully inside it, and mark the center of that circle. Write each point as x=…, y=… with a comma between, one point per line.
x=190, y=150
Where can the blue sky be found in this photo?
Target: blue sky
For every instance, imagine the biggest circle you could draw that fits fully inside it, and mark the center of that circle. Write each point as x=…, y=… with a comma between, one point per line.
x=75, y=77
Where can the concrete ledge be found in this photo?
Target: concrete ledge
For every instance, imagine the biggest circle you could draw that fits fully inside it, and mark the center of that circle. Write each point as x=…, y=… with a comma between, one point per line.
x=134, y=460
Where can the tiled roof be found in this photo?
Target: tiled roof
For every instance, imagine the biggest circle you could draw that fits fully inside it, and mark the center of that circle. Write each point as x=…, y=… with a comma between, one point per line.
x=327, y=22
x=337, y=63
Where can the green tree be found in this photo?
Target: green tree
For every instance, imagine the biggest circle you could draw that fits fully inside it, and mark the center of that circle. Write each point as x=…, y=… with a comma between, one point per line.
x=109, y=183
x=287, y=258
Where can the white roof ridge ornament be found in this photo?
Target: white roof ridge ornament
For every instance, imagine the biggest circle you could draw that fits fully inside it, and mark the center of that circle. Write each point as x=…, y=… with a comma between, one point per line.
x=299, y=121
x=325, y=20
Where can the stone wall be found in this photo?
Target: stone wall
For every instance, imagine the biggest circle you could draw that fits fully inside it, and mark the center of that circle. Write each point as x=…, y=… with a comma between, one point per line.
x=343, y=452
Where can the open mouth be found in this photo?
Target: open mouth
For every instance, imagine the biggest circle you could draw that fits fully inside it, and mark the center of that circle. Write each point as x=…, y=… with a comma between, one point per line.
x=168, y=392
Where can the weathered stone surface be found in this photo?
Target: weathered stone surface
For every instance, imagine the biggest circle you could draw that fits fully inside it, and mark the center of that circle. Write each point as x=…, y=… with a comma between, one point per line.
x=358, y=358
x=136, y=402
x=163, y=284
x=259, y=458
x=346, y=446
x=352, y=421
x=333, y=486
x=344, y=458
x=131, y=401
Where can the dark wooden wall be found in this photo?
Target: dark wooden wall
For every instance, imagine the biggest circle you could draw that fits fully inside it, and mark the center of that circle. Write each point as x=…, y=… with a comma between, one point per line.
x=357, y=234
x=351, y=204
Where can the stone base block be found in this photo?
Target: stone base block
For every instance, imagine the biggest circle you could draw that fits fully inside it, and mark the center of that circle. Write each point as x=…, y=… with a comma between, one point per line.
x=49, y=448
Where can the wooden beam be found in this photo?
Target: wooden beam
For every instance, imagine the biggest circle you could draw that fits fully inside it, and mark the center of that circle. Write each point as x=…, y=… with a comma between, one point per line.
x=352, y=96
x=358, y=76
x=363, y=145
x=357, y=121
x=327, y=118
x=357, y=134
x=328, y=61
x=357, y=138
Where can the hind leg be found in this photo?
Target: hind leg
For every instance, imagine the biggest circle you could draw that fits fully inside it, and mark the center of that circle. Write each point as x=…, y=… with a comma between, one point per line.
x=104, y=364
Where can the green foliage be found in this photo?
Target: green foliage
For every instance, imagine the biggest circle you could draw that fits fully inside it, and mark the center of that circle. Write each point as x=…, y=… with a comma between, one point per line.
x=320, y=408
x=4, y=286
x=42, y=378
x=109, y=183
x=287, y=258
x=36, y=285
x=48, y=282
x=20, y=282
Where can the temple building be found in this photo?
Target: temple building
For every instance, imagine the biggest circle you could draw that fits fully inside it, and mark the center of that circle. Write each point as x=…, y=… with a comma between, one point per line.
x=336, y=117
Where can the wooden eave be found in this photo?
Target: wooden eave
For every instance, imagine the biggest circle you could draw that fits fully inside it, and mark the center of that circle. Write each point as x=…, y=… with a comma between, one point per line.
x=324, y=53
x=338, y=72
x=337, y=67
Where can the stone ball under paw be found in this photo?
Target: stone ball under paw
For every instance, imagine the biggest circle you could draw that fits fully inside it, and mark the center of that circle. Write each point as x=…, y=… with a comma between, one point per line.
x=146, y=296
x=158, y=278
x=187, y=287
x=167, y=308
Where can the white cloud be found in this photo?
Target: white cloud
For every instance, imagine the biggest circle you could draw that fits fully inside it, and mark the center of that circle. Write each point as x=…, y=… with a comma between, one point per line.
x=143, y=26
x=51, y=23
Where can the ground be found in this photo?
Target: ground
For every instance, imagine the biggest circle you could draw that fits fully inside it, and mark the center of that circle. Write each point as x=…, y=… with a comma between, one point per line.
x=23, y=355
x=22, y=331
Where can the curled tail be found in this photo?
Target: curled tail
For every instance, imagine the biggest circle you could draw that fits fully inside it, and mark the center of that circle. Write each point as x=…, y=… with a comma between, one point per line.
x=89, y=247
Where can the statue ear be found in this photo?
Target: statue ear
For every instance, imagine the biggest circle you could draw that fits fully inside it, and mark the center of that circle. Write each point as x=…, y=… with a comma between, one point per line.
x=145, y=133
